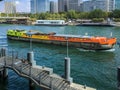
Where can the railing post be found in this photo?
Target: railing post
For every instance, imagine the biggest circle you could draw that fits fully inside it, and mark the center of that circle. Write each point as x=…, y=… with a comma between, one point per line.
x=21, y=68
x=30, y=58
x=51, y=85
x=12, y=57
x=31, y=85
x=40, y=79
x=5, y=71
x=30, y=71
x=3, y=52
x=0, y=53
x=118, y=77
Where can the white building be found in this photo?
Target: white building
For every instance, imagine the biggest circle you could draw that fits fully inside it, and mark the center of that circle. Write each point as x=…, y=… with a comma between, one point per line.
x=74, y=5
x=87, y=6
x=40, y=6
x=105, y=5
x=65, y=5
x=53, y=7
x=117, y=4
x=10, y=7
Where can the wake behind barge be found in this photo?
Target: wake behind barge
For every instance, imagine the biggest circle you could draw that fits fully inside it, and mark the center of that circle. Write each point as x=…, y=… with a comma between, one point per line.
x=78, y=41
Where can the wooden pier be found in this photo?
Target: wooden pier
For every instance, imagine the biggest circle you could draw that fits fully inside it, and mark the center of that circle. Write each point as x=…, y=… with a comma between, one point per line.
x=39, y=75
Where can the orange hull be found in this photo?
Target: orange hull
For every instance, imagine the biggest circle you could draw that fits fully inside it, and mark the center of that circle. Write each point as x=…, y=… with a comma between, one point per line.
x=85, y=42
x=84, y=39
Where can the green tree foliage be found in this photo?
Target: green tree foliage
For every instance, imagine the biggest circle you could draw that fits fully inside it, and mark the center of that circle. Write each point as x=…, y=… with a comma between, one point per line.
x=72, y=14
x=97, y=13
x=98, y=19
x=116, y=13
x=83, y=15
x=116, y=19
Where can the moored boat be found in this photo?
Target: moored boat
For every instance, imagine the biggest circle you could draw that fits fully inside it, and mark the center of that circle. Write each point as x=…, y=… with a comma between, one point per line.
x=78, y=41
x=50, y=23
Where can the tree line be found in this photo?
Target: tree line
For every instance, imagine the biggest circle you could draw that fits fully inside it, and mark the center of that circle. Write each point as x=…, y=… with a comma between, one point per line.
x=96, y=14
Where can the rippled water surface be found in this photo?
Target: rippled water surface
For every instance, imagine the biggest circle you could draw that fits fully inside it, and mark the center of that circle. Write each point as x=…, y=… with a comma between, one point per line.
x=94, y=69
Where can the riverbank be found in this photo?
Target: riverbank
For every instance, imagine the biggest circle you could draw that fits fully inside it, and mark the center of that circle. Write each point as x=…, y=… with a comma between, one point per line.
x=27, y=21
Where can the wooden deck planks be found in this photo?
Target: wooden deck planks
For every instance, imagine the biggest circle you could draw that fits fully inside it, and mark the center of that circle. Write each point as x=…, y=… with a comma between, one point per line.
x=39, y=75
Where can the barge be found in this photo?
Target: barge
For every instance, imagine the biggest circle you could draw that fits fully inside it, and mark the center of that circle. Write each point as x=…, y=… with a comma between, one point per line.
x=84, y=42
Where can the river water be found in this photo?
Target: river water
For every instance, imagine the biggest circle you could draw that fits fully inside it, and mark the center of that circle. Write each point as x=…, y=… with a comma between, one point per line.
x=94, y=69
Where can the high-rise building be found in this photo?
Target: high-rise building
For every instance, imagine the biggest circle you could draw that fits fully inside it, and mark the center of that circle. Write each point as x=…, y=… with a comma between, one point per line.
x=105, y=5
x=39, y=6
x=111, y=5
x=74, y=5
x=53, y=7
x=10, y=7
x=63, y=5
x=117, y=4
x=87, y=6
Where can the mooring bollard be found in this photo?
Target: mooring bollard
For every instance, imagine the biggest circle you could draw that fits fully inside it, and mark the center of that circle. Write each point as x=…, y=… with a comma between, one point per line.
x=67, y=70
x=30, y=58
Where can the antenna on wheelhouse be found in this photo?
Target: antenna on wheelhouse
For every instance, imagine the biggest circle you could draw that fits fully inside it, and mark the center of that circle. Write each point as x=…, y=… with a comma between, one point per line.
x=67, y=46
x=30, y=36
x=30, y=42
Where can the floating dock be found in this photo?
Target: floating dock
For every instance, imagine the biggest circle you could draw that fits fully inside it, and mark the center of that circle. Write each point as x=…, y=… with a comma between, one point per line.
x=39, y=75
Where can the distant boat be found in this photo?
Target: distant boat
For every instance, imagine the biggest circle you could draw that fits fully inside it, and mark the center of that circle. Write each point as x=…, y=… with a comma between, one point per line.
x=78, y=41
x=50, y=22
x=96, y=24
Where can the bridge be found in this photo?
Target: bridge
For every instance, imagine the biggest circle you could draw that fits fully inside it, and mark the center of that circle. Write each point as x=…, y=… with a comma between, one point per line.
x=39, y=75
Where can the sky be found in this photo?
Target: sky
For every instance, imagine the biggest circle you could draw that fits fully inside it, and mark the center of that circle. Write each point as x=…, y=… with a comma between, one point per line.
x=22, y=5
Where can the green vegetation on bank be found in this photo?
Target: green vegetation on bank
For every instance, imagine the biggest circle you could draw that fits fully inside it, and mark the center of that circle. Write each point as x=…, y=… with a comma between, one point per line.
x=97, y=15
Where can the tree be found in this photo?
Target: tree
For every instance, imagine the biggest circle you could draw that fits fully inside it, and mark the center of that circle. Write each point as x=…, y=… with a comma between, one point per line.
x=116, y=13
x=97, y=13
x=71, y=14
x=84, y=15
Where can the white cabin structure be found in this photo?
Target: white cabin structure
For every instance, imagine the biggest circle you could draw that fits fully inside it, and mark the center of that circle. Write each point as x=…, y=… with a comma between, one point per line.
x=50, y=22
